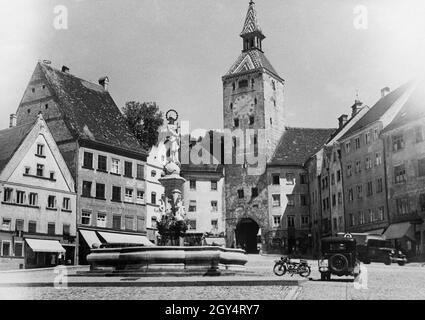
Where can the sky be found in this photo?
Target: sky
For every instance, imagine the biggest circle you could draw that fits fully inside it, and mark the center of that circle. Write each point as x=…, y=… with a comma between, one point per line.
x=175, y=52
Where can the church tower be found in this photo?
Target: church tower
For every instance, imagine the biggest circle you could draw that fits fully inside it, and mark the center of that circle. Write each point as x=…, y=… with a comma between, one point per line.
x=253, y=98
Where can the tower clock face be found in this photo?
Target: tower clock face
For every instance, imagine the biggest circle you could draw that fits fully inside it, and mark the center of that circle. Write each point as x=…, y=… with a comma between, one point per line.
x=243, y=105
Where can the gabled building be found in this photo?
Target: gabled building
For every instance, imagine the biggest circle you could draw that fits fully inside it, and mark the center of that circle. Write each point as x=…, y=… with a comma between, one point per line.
x=404, y=142
x=38, y=201
x=326, y=182
x=288, y=188
x=363, y=165
x=104, y=157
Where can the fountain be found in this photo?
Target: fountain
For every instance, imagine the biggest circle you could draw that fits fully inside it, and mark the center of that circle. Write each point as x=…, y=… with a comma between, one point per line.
x=171, y=257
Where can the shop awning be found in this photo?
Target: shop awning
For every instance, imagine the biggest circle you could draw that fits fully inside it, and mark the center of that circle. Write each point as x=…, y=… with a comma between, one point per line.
x=215, y=241
x=125, y=238
x=399, y=230
x=38, y=245
x=90, y=237
x=377, y=231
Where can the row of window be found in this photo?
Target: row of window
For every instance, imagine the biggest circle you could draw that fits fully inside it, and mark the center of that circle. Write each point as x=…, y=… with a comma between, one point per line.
x=368, y=138
x=403, y=205
x=379, y=187
x=366, y=217
x=291, y=200
x=326, y=201
x=39, y=172
x=290, y=178
x=397, y=141
x=32, y=226
x=192, y=224
x=115, y=167
x=400, y=175
x=290, y=221
x=21, y=198
x=116, y=196
x=193, y=206
x=192, y=185
x=6, y=246
x=130, y=223
x=368, y=164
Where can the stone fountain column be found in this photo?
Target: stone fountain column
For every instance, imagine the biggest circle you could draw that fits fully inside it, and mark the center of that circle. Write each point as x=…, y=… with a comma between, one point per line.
x=172, y=204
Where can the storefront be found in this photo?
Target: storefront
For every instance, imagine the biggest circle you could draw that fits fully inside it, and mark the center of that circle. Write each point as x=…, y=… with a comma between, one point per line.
x=403, y=237
x=41, y=253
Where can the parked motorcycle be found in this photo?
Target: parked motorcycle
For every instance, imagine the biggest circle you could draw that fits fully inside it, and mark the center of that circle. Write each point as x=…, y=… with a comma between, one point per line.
x=285, y=265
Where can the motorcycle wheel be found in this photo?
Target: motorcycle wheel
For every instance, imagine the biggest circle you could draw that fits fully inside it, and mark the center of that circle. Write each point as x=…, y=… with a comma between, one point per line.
x=306, y=272
x=279, y=269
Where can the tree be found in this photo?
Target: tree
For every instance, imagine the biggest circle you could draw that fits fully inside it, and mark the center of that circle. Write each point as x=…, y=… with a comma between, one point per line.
x=144, y=120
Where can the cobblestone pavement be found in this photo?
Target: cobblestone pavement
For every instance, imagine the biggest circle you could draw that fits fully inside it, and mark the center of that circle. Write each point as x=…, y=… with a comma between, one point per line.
x=382, y=282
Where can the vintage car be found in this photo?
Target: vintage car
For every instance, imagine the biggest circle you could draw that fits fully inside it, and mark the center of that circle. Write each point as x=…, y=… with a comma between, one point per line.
x=338, y=257
x=380, y=250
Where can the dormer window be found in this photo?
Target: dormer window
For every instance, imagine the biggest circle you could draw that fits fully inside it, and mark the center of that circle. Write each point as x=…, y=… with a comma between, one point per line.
x=252, y=83
x=233, y=86
x=40, y=149
x=231, y=106
x=40, y=170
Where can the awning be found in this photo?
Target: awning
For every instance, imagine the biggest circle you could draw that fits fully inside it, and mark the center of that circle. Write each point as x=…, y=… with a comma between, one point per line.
x=38, y=245
x=399, y=230
x=377, y=231
x=90, y=237
x=215, y=241
x=125, y=238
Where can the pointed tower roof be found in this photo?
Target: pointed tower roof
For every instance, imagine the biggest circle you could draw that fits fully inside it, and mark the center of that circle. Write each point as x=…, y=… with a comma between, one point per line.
x=251, y=24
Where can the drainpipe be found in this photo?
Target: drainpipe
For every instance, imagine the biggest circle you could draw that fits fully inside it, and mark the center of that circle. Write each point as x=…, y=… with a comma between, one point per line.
x=386, y=183
x=343, y=191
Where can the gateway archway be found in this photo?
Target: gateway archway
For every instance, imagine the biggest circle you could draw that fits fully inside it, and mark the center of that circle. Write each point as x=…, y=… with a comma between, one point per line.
x=246, y=235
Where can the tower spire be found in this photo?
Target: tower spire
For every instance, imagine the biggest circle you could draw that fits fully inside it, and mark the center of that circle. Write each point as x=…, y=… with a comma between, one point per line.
x=252, y=34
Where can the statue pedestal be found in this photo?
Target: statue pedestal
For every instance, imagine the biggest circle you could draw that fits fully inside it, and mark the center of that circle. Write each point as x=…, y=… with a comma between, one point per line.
x=172, y=183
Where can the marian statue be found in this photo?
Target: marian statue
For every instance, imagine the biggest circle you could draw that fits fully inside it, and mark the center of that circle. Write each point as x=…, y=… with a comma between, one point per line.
x=172, y=141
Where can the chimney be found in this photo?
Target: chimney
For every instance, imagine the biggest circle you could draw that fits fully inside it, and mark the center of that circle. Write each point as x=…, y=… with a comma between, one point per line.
x=104, y=82
x=342, y=120
x=385, y=91
x=65, y=69
x=12, y=122
x=356, y=107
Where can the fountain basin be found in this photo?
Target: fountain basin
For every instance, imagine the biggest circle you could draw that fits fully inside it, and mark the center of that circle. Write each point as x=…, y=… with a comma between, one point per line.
x=205, y=259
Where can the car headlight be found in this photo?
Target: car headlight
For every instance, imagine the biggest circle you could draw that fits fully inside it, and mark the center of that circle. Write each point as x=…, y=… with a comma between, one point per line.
x=400, y=252
x=392, y=252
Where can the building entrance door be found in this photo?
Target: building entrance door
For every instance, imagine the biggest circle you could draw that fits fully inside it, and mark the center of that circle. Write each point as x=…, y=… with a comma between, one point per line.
x=246, y=235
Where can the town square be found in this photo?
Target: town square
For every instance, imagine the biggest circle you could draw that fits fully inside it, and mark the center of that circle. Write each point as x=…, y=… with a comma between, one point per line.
x=249, y=150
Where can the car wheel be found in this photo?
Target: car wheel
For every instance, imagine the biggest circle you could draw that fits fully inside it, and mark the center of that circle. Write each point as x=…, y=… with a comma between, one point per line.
x=328, y=276
x=323, y=276
x=338, y=263
x=401, y=263
x=387, y=262
x=366, y=261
